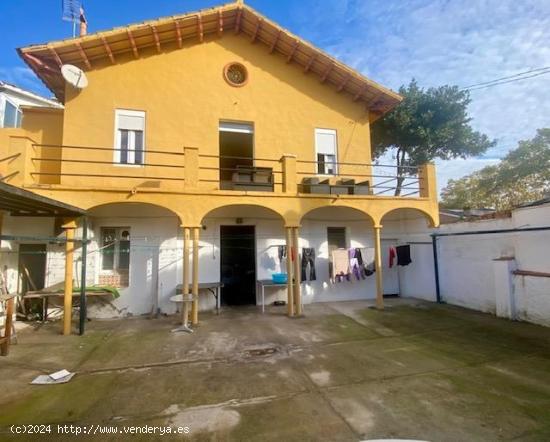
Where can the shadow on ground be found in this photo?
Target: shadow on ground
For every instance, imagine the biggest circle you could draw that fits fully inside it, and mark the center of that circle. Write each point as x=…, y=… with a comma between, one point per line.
x=344, y=372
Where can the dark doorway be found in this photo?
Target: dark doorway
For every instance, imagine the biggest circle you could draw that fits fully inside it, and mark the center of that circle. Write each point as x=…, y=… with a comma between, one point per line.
x=238, y=265
x=32, y=266
x=236, y=151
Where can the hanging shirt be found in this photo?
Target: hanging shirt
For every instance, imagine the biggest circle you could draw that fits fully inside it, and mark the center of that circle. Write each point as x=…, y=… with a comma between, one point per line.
x=403, y=255
x=368, y=260
x=392, y=256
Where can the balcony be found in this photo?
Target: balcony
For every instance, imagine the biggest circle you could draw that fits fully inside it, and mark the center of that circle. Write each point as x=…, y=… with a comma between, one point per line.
x=185, y=170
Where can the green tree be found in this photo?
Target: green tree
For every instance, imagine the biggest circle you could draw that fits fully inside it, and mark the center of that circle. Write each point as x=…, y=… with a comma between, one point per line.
x=429, y=123
x=523, y=175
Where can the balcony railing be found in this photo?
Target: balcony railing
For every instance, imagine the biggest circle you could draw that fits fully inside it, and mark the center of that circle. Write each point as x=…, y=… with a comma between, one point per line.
x=29, y=163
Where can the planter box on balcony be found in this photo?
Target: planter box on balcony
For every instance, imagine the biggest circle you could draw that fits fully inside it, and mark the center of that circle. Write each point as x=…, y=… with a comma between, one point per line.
x=315, y=185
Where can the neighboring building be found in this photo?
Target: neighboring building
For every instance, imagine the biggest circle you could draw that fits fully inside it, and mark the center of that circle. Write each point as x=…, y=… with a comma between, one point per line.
x=12, y=101
x=449, y=216
x=225, y=124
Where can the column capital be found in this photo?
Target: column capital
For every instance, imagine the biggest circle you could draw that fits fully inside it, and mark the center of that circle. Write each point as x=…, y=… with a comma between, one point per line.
x=378, y=226
x=183, y=226
x=292, y=226
x=68, y=223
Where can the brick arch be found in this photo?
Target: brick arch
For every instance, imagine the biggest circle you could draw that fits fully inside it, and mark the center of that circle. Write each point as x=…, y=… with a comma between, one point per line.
x=367, y=215
x=132, y=203
x=210, y=210
x=432, y=222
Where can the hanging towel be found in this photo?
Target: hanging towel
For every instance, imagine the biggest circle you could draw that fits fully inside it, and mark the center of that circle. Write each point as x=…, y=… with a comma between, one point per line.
x=356, y=264
x=308, y=258
x=340, y=265
x=368, y=260
x=392, y=256
x=403, y=255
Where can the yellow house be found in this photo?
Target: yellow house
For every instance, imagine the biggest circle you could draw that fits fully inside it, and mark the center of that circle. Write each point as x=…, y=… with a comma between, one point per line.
x=204, y=147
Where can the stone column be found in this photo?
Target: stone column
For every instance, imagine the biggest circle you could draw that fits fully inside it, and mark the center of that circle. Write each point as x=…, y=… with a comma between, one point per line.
x=195, y=284
x=290, y=285
x=185, y=286
x=69, y=227
x=378, y=264
x=297, y=274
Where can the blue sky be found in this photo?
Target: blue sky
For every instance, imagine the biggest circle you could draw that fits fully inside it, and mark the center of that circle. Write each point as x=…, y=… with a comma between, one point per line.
x=391, y=41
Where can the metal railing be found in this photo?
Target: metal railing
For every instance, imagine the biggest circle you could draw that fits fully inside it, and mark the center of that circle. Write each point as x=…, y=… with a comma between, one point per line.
x=66, y=164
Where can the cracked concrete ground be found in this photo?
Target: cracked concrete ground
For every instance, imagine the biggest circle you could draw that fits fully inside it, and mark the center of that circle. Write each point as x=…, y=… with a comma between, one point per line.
x=344, y=372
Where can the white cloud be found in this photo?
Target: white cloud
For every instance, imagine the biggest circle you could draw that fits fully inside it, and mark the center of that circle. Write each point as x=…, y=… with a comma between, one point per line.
x=25, y=78
x=447, y=42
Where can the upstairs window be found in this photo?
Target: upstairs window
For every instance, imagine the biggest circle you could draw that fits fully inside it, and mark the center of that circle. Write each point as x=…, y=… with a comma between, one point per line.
x=326, y=151
x=12, y=115
x=129, y=137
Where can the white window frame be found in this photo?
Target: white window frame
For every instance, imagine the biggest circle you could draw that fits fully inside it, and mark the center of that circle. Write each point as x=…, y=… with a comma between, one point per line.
x=18, y=113
x=325, y=131
x=117, y=151
x=115, y=269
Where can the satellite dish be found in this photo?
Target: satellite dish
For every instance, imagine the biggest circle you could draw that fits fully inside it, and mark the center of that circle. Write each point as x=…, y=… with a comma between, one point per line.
x=74, y=76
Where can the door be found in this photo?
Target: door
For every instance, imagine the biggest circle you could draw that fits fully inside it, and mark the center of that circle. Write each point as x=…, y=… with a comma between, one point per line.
x=238, y=265
x=32, y=267
x=390, y=276
x=236, y=150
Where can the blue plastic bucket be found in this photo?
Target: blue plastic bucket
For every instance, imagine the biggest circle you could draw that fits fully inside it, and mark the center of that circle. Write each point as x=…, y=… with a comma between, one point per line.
x=279, y=278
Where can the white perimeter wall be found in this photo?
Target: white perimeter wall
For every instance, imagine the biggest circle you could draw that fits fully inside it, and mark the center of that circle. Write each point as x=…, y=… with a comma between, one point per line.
x=466, y=266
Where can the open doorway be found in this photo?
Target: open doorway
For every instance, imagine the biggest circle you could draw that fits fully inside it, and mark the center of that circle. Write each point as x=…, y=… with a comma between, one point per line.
x=238, y=265
x=236, y=151
x=32, y=267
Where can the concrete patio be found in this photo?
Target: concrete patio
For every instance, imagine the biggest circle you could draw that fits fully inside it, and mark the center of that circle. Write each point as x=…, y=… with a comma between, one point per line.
x=344, y=372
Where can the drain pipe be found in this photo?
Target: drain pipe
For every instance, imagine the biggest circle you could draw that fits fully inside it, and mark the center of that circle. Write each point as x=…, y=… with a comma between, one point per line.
x=436, y=270
x=472, y=233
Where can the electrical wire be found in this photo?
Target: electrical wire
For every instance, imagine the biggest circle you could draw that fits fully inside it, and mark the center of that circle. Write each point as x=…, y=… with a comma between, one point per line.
x=508, y=79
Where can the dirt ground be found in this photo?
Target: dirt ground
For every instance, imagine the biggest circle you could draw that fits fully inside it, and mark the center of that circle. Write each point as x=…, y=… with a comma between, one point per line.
x=343, y=372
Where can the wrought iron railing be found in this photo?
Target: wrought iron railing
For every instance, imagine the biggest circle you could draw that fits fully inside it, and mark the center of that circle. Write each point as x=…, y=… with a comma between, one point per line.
x=188, y=169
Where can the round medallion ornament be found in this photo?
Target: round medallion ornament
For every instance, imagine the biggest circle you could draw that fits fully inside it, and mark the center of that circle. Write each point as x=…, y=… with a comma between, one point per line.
x=235, y=74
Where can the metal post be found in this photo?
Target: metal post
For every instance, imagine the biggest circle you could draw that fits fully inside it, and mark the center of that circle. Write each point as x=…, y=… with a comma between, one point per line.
x=436, y=270
x=83, y=261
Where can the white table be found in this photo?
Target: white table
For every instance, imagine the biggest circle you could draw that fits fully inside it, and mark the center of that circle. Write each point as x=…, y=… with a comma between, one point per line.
x=263, y=283
x=212, y=287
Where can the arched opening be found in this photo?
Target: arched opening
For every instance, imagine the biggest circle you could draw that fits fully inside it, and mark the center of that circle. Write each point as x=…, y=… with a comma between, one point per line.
x=136, y=249
x=406, y=237
x=242, y=246
x=342, y=241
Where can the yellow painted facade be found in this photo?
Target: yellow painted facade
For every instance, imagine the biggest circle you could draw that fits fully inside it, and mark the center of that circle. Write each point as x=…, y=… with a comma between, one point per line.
x=184, y=96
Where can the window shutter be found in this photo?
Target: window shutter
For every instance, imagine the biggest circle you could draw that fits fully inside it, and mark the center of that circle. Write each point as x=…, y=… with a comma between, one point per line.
x=131, y=122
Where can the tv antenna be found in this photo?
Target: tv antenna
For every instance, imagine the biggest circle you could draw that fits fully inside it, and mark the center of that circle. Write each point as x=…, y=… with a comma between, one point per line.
x=71, y=10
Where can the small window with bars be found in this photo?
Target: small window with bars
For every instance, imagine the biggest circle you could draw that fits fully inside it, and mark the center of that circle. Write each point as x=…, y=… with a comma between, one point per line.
x=129, y=137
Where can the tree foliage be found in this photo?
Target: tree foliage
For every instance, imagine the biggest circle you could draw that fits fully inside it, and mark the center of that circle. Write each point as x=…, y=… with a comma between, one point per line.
x=428, y=124
x=522, y=176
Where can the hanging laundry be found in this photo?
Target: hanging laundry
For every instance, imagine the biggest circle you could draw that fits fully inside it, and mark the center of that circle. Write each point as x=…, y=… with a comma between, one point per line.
x=340, y=265
x=308, y=259
x=368, y=260
x=356, y=264
x=392, y=255
x=281, y=252
x=403, y=255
